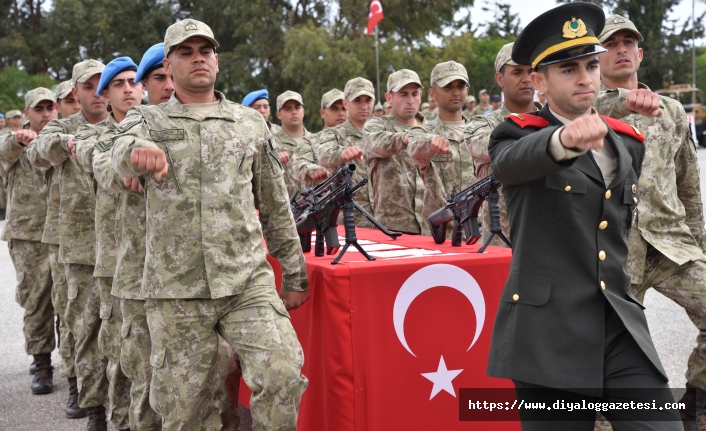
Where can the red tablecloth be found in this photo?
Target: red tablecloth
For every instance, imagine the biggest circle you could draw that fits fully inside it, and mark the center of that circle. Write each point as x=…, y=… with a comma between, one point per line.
x=353, y=329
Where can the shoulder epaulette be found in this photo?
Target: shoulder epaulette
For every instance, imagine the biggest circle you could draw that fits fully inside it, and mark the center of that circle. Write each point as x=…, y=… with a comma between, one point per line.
x=624, y=128
x=528, y=120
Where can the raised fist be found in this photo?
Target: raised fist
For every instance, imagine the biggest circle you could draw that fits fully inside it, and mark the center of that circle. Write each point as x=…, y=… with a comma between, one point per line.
x=584, y=133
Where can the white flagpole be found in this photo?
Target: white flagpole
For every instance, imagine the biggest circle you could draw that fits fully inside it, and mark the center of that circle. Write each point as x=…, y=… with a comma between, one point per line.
x=693, y=50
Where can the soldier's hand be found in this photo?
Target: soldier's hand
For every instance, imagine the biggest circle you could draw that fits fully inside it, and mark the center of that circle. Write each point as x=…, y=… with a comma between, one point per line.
x=150, y=159
x=644, y=102
x=25, y=136
x=72, y=148
x=133, y=184
x=283, y=157
x=352, y=153
x=584, y=133
x=319, y=174
x=440, y=145
x=293, y=300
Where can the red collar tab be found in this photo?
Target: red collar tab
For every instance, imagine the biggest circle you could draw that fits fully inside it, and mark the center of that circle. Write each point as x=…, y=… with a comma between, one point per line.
x=528, y=120
x=624, y=128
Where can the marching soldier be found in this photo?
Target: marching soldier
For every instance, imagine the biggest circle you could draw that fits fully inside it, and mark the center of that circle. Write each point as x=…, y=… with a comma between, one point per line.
x=667, y=238
x=306, y=167
x=68, y=104
x=386, y=108
x=290, y=111
x=343, y=144
x=211, y=277
x=484, y=104
x=436, y=147
x=260, y=101
x=378, y=110
x=396, y=187
x=568, y=326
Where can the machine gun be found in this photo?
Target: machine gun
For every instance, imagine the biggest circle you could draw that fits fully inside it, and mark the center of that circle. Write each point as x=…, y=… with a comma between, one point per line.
x=462, y=208
x=318, y=210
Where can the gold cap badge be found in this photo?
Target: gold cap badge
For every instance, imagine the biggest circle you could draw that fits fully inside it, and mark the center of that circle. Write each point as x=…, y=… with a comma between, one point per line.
x=574, y=28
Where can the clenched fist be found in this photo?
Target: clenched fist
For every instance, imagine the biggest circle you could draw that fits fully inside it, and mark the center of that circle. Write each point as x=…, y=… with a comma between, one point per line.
x=133, y=184
x=72, y=148
x=25, y=136
x=644, y=102
x=584, y=133
x=319, y=174
x=351, y=153
x=283, y=157
x=440, y=145
x=150, y=159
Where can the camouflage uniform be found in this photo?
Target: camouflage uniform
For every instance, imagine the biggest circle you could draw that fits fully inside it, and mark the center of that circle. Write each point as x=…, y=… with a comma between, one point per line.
x=441, y=172
x=77, y=252
x=332, y=143
x=289, y=145
x=26, y=213
x=304, y=162
x=667, y=238
x=396, y=186
x=210, y=276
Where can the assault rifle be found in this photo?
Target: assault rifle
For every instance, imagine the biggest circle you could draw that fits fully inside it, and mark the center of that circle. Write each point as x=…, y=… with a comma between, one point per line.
x=462, y=208
x=318, y=210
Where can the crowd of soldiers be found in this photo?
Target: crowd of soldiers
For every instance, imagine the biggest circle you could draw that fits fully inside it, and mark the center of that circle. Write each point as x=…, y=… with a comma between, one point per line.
x=136, y=224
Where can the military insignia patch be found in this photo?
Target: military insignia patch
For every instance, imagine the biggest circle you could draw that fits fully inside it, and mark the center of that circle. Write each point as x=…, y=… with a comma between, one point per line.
x=127, y=125
x=167, y=135
x=406, y=75
x=453, y=68
x=103, y=146
x=91, y=64
x=190, y=26
x=574, y=28
x=618, y=20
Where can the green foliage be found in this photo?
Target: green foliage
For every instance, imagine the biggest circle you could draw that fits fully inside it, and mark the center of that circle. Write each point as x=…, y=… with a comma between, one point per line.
x=14, y=83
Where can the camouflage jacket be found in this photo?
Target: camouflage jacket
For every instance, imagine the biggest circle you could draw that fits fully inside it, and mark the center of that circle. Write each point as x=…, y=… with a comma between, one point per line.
x=274, y=128
x=288, y=144
x=222, y=171
x=441, y=172
x=332, y=143
x=397, y=187
x=477, y=137
x=27, y=192
x=95, y=141
x=304, y=162
x=77, y=234
x=670, y=211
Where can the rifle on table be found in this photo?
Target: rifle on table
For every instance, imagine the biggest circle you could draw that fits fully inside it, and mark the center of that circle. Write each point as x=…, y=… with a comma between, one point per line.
x=462, y=208
x=318, y=210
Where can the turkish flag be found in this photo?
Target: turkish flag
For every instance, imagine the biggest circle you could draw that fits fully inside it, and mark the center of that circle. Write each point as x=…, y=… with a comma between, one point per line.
x=375, y=16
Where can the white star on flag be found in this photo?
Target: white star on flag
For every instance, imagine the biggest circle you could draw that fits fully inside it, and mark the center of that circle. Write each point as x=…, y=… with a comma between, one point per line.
x=442, y=379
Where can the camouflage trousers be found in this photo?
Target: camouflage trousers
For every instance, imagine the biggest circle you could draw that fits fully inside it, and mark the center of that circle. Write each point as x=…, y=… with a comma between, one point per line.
x=83, y=319
x=185, y=346
x=109, y=341
x=60, y=301
x=485, y=224
x=33, y=293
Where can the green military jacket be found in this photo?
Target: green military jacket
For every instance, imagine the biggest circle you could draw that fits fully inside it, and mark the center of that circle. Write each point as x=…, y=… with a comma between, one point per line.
x=223, y=169
x=304, y=161
x=441, y=172
x=288, y=144
x=27, y=192
x=332, y=143
x=76, y=226
x=670, y=212
x=397, y=188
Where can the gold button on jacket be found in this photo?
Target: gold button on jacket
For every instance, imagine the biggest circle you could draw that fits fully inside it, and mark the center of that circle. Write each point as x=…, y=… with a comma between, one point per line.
x=603, y=225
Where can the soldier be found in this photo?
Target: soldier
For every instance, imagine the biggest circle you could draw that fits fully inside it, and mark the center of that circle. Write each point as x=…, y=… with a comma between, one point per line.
x=514, y=80
x=484, y=104
x=386, y=108
x=14, y=121
x=667, y=238
x=290, y=111
x=76, y=227
x=260, y=101
x=378, y=110
x=396, y=187
x=470, y=106
x=68, y=104
x=433, y=109
x=209, y=170
x=306, y=166
x=2, y=122
x=436, y=147
x=424, y=109
x=567, y=327
x=117, y=85
x=343, y=144
x=27, y=211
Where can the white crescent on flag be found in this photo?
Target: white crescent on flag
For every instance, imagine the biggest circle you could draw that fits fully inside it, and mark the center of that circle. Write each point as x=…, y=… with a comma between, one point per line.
x=375, y=16
x=377, y=3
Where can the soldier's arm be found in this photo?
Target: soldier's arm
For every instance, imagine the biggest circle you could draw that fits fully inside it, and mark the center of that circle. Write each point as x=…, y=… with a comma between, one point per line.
x=132, y=133
x=686, y=164
x=329, y=150
x=379, y=143
x=10, y=151
x=84, y=143
x=276, y=218
x=105, y=175
x=615, y=103
x=304, y=160
x=476, y=138
x=420, y=149
x=52, y=143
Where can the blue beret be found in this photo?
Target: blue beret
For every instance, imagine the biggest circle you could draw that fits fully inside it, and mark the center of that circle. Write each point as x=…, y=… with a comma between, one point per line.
x=255, y=96
x=151, y=60
x=2, y=115
x=116, y=66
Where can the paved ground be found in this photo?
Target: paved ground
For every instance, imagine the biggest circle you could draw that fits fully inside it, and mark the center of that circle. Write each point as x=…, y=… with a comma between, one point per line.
x=673, y=334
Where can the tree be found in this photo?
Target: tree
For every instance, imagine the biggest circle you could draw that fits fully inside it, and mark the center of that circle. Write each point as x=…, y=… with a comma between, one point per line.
x=15, y=83
x=505, y=24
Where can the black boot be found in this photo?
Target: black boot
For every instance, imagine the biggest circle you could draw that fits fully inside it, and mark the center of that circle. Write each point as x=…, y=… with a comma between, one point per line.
x=695, y=400
x=73, y=411
x=43, y=378
x=96, y=419
x=33, y=367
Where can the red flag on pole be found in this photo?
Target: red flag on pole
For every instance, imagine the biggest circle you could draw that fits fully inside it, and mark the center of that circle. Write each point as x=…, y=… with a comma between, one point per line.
x=375, y=16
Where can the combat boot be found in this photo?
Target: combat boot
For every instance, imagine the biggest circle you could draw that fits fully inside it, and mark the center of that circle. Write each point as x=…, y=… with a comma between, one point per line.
x=73, y=411
x=96, y=419
x=695, y=402
x=33, y=367
x=43, y=378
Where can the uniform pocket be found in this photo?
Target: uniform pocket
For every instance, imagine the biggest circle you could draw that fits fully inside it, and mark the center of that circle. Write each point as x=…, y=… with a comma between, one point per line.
x=528, y=289
x=22, y=290
x=290, y=344
x=161, y=383
x=106, y=311
x=125, y=329
x=564, y=195
x=72, y=293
